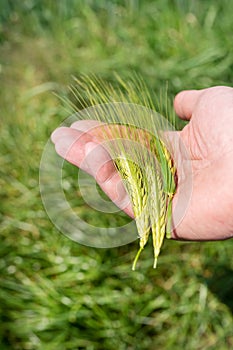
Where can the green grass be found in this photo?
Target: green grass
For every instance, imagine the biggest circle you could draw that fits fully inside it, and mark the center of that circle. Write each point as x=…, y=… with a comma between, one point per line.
x=57, y=294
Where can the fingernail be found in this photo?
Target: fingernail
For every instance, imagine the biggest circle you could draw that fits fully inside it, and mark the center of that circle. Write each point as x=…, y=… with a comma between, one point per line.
x=89, y=147
x=63, y=145
x=57, y=133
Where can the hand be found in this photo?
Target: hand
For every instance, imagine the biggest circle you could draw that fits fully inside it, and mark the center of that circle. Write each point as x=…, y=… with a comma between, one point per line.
x=201, y=212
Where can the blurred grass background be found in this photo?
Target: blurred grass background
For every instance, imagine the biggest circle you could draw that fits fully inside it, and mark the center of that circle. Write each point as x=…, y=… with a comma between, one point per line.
x=57, y=294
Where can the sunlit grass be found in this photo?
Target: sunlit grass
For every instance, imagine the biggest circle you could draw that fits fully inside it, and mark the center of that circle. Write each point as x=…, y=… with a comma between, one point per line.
x=56, y=294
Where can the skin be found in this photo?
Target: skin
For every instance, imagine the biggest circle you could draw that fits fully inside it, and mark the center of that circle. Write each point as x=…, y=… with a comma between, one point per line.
x=203, y=203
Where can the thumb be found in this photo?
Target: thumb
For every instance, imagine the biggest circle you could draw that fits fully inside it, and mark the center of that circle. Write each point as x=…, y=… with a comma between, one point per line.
x=185, y=102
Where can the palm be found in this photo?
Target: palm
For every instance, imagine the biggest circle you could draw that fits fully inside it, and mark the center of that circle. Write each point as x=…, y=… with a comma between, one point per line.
x=209, y=140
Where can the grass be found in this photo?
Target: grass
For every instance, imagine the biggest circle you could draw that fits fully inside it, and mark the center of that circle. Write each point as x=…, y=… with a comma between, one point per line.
x=57, y=294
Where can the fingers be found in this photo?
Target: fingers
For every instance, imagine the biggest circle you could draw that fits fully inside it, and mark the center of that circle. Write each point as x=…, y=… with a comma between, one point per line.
x=81, y=145
x=82, y=149
x=70, y=145
x=185, y=102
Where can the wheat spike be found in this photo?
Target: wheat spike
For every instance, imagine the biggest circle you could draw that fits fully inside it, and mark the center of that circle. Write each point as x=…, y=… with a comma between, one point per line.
x=145, y=165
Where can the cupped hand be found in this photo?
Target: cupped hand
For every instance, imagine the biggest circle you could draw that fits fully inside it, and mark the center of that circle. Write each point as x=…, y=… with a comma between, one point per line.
x=203, y=203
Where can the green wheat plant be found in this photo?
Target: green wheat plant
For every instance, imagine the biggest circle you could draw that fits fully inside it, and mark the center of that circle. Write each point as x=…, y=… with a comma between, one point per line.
x=134, y=133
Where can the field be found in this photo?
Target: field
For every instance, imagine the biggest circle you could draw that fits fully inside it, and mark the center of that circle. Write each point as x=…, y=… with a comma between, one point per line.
x=56, y=294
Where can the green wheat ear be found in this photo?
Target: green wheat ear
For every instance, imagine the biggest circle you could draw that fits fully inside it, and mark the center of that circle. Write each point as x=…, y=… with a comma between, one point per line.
x=139, y=150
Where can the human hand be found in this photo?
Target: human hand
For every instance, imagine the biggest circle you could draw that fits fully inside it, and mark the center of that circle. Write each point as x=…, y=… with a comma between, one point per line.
x=208, y=138
x=206, y=214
